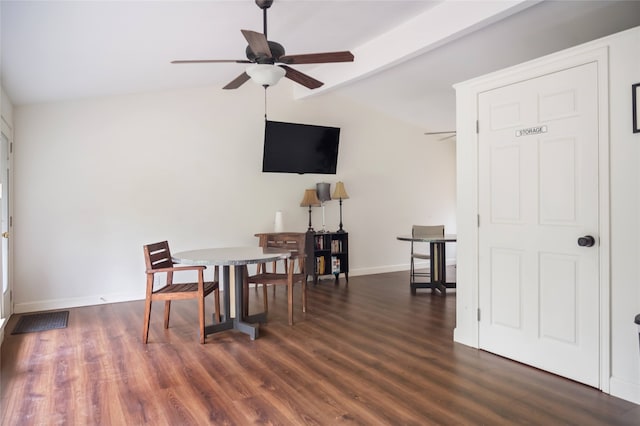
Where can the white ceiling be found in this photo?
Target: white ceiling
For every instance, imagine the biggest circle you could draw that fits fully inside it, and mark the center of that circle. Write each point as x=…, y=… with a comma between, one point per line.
x=407, y=53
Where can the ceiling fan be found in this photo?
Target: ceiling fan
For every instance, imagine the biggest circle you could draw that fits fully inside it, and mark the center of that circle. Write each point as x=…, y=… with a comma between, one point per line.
x=269, y=60
x=451, y=133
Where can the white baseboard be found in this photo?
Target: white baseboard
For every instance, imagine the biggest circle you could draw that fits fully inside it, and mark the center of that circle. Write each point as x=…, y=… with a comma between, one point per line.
x=3, y=325
x=625, y=390
x=47, y=305
x=392, y=268
x=77, y=302
x=377, y=270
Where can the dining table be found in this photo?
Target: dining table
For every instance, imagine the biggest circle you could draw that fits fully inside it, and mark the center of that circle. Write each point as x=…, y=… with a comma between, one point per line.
x=437, y=262
x=239, y=258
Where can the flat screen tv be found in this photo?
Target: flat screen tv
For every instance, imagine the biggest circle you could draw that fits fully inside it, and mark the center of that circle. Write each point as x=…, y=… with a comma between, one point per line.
x=300, y=148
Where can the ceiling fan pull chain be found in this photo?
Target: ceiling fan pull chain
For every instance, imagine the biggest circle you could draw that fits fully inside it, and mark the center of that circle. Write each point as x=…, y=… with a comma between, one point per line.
x=265, y=103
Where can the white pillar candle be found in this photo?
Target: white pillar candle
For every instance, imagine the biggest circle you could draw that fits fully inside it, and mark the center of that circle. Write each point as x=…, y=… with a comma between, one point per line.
x=278, y=226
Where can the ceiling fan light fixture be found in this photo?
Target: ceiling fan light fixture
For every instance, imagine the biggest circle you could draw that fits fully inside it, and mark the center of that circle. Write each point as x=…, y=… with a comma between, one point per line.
x=265, y=74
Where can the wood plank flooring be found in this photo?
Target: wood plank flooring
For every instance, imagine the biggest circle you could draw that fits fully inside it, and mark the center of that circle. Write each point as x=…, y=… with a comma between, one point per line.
x=368, y=353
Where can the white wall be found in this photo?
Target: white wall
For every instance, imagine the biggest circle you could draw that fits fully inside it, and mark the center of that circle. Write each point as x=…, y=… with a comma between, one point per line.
x=98, y=178
x=623, y=293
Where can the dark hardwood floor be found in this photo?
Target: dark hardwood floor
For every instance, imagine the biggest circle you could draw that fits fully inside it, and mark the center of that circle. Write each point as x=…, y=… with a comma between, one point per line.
x=367, y=354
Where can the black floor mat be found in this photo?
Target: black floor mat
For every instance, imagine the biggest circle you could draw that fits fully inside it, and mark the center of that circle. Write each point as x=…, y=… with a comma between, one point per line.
x=41, y=322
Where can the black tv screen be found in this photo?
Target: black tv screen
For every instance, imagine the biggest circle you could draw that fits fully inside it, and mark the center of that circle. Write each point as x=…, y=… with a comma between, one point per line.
x=300, y=148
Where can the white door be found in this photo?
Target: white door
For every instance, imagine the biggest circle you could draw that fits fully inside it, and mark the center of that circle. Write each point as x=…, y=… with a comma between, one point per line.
x=538, y=194
x=5, y=306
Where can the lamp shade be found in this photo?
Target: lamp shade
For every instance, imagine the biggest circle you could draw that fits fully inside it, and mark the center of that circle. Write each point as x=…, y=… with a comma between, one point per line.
x=324, y=191
x=265, y=74
x=340, y=192
x=310, y=199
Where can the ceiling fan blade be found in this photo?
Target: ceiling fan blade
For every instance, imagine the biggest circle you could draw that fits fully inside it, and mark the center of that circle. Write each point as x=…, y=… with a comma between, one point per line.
x=451, y=133
x=258, y=43
x=207, y=61
x=301, y=78
x=317, y=58
x=238, y=81
x=440, y=133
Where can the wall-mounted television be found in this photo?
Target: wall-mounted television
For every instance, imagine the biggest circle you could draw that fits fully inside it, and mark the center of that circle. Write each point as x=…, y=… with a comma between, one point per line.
x=300, y=148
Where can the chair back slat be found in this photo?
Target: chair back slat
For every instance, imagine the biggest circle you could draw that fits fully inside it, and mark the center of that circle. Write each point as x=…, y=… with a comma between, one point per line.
x=157, y=255
x=295, y=243
x=292, y=241
x=427, y=231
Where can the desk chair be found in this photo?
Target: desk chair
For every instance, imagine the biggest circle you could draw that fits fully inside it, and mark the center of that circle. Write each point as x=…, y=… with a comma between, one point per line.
x=157, y=257
x=293, y=268
x=418, y=231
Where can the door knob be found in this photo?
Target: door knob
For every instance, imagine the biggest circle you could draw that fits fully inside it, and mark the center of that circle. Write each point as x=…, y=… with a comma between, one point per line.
x=5, y=235
x=586, y=241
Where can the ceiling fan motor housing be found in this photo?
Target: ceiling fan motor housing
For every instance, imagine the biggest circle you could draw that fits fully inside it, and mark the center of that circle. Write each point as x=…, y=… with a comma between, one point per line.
x=277, y=50
x=264, y=4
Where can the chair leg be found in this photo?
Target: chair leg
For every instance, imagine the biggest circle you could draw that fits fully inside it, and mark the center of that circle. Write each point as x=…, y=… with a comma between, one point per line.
x=304, y=295
x=167, y=312
x=412, y=277
x=216, y=302
x=245, y=299
x=265, y=299
x=245, y=292
x=290, y=302
x=201, y=318
x=147, y=318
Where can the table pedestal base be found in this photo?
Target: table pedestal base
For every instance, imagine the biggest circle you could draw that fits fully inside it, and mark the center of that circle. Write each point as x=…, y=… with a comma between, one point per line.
x=438, y=271
x=440, y=287
x=245, y=324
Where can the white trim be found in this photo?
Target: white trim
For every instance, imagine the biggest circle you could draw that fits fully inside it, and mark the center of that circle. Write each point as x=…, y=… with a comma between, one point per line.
x=46, y=305
x=467, y=93
x=604, y=217
x=5, y=125
x=7, y=130
x=3, y=325
x=466, y=331
x=624, y=389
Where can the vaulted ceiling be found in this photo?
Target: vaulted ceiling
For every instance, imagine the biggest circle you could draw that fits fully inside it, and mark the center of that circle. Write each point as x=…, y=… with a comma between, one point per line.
x=407, y=53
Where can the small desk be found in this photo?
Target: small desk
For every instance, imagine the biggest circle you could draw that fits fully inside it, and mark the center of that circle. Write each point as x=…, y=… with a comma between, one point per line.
x=437, y=262
x=239, y=257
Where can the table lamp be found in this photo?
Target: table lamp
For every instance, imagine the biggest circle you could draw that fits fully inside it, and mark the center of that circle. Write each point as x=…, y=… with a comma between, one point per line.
x=340, y=193
x=324, y=194
x=310, y=199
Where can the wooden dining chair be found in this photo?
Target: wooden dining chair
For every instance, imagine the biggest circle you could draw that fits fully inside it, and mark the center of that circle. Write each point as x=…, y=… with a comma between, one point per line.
x=157, y=257
x=419, y=231
x=292, y=270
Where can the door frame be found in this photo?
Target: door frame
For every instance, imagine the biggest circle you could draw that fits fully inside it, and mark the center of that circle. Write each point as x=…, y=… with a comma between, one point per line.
x=467, y=93
x=7, y=130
